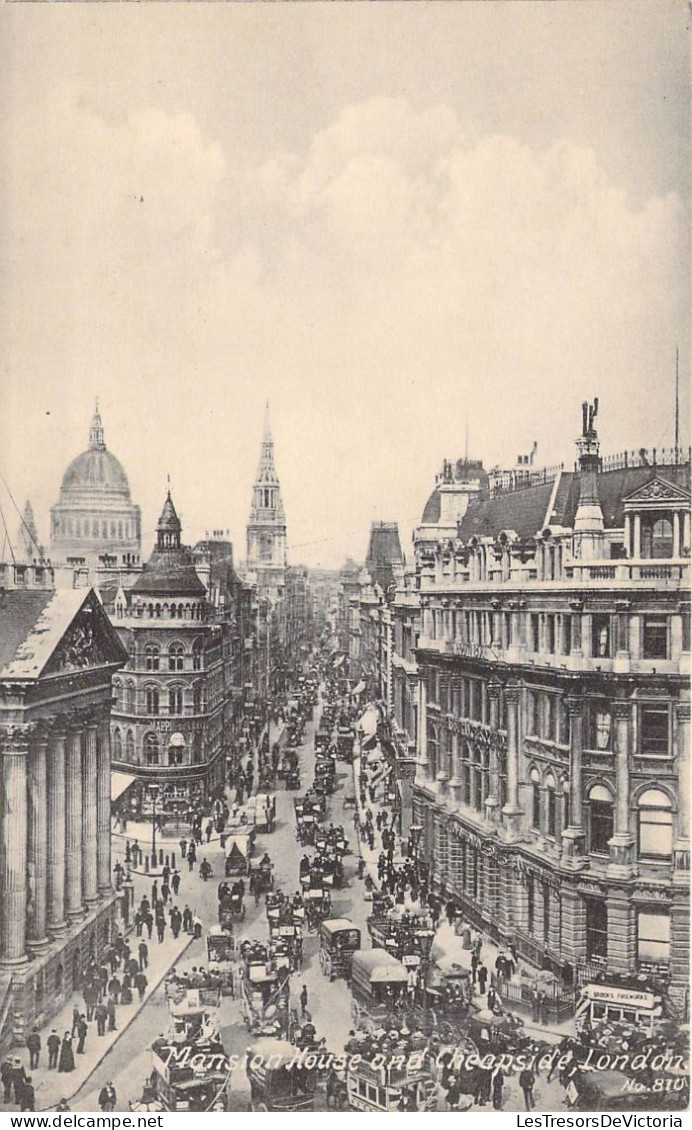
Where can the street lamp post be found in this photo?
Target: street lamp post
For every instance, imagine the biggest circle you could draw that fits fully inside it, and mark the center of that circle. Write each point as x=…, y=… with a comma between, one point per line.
x=153, y=793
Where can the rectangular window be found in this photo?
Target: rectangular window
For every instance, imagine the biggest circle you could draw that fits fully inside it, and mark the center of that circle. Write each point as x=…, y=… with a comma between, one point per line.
x=552, y=812
x=601, y=637
x=655, y=833
x=601, y=826
x=550, y=634
x=536, y=805
x=600, y=731
x=533, y=631
x=655, y=644
x=653, y=936
x=654, y=731
x=596, y=928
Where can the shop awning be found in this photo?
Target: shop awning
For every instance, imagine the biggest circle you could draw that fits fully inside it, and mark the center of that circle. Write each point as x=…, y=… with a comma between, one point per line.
x=367, y=723
x=119, y=783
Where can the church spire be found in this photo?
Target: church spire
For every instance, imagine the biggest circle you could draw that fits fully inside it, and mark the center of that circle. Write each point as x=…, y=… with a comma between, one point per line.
x=267, y=434
x=96, y=431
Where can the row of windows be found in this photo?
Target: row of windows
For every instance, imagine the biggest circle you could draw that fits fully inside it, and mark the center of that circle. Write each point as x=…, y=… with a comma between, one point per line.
x=547, y=716
x=154, y=696
x=152, y=750
x=175, y=656
x=94, y=528
x=168, y=611
x=652, y=927
x=654, y=818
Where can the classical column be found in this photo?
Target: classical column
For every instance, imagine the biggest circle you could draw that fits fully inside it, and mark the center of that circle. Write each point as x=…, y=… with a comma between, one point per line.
x=676, y=534
x=637, y=535
x=73, y=826
x=103, y=809
x=38, y=843
x=492, y=802
x=622, y=844
x=682, y=839
x=511, y=811
x=573, y=837
x=89, y=816
x=56, y=834
x=422, y=736
x=576, y=649
x=13, y=892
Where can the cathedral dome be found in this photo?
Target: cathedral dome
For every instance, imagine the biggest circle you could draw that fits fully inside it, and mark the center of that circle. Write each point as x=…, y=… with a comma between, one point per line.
x=96, y=471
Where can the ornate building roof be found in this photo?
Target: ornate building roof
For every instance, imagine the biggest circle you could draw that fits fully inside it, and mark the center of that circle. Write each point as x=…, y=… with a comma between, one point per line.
x=170, y=571
x=96, y=472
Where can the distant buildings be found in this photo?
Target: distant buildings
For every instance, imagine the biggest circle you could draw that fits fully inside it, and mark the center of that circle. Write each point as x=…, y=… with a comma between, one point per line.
x=266, y=528
x=95, y=523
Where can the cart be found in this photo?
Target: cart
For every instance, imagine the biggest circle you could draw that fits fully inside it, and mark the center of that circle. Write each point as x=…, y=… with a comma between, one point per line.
x=221, y=952
x=238, y=857
x=317, y=903
x=339, y=940
x=378, y=985
x=178, y=1086
x=261, y=878
x=277, y=1081
x=264, y=1000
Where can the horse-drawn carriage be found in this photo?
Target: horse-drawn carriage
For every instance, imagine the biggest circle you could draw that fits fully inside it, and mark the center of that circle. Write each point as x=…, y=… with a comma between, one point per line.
x=339, y=940
x=231, y=902
x=378, y=985
x=239, y=852
x=286, y=945
x=265, y=994
x=263, y=806
x=318, y=904
x=261, y=877
x=221, y=951
x=278, y=1082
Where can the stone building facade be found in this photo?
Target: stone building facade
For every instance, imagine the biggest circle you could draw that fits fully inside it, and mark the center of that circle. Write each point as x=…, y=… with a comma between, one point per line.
x=58, y=911
x=168, y=716
x=553, y=714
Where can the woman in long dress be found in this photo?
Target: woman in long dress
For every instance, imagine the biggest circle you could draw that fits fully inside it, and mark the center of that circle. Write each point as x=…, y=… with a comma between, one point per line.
x=66, y=1060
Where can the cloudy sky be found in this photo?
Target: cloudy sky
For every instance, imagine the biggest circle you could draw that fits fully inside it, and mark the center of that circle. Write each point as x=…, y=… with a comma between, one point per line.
x=393, y=220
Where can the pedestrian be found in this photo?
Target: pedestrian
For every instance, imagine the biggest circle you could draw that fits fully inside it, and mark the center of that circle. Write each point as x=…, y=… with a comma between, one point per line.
x=187, y=920
x=526, y=1082
x=6, y=1079
x=141, y=984
x=110, y=1009
x=175, y=882
x=33, y=1043
x=53, y=1045
x=114, y=987
x=139, y=922
x=90, y=998
x=304, y=1003
x=482, y=974
x=453, y=1093
x=28, y=1095
x=82, y=1029
x=165, y=891
x=66, y=1060
x=500, y=967
x=154, y=892
x=75, y=1020
x=208, y=830
x=497, y=1084
x=63, y=1106
x=160, y=928
x=108, y=1097
x=542, y=1007
x=101, y=1016
x=183, y=847
x=149, y=923
x=143, y=951
x=474, y=967
x=492, y=998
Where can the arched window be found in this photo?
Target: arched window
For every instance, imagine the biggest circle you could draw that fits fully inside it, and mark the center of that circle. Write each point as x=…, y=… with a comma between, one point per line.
x=117, y=694
x=157, y=611
x=152, y=699
x=130, y=746
x=175, y=657
x=129, y=697
x=600, y=819
x=197, y=698
x=151, y=657
x=197, y=650
x=655, y=825
x=657, y=535
x=151, y=749
x=175, y=700
x=535, y=779
x=531, y=713
x=117, y=745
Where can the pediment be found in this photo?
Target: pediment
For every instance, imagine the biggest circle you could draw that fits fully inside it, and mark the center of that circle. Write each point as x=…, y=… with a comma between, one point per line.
x=89, y=640
x=657, y=491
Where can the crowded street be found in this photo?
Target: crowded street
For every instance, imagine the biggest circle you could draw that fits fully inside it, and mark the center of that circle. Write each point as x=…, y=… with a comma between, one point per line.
x=240, y=903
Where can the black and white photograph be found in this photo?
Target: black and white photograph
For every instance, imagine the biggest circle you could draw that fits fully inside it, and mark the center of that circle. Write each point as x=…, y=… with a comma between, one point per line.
x=345, y=559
